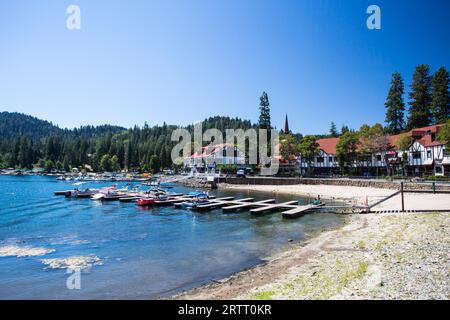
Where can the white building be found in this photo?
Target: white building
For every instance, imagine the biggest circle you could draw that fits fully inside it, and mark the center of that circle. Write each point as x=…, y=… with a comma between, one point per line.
x=211, y=156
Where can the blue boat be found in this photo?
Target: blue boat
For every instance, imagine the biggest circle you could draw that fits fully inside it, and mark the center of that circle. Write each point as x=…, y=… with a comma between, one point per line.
x=192, y=205
x=198, y=194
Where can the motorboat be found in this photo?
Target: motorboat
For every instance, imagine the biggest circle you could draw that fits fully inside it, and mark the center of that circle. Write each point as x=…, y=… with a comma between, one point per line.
x=145, y=202
x=194, y=203
x=87, y=193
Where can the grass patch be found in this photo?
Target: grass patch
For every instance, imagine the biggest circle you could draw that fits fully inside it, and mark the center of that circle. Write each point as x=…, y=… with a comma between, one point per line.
x=362, y=268
x=263, y=295
x=352, y=274
x=428, y=214
x=380, y=245
x=361, y=245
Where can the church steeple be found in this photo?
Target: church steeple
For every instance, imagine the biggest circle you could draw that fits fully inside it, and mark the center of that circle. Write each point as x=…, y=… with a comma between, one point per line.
x=286, y=125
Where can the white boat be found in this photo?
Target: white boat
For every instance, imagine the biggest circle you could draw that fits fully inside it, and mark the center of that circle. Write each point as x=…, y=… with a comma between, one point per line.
x=98, y=196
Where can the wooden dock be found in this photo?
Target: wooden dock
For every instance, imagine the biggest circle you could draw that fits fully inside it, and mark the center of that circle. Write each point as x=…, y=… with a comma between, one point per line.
x=289, y=209
x=300, y=211
x=275, y=207
x=247, y=205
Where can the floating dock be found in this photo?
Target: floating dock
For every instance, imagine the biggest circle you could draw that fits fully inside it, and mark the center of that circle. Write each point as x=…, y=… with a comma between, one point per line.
x=248, y=205
x=289, y=209
x=300, y=210
x=275, y=207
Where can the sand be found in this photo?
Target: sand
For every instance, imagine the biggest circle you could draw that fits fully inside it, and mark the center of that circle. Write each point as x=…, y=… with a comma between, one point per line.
x=356, y=195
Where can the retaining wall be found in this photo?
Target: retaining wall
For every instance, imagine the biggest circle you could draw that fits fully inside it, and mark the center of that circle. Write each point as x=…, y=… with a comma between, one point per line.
x=383, y=184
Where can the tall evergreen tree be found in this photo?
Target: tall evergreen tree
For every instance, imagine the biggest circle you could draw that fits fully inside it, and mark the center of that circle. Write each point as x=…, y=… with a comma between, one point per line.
x=264, y=109
x=420, y=98
x=440, y=103
x=344, y=129
x=333, y=130
x=395, y=107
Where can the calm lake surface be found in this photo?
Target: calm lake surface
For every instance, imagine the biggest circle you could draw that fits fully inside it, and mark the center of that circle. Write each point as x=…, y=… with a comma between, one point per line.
x=136, y=253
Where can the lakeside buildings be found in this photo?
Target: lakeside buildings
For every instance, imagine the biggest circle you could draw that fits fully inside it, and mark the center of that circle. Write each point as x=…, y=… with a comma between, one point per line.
x=210, y=156
x=425, y=156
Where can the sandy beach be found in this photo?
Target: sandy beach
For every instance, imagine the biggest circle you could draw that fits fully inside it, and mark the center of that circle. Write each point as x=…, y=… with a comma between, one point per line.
x=374, y=256
x=354, y=195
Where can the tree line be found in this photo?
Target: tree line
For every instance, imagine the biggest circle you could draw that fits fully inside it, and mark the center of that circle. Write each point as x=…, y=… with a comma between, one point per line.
x=28, y=142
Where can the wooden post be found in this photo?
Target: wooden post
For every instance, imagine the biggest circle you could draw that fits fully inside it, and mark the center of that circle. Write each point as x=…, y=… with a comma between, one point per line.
x=401, y=194
x=434, y=187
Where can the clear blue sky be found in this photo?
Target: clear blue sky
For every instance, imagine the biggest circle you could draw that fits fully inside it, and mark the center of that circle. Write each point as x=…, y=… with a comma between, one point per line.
x=182, y=61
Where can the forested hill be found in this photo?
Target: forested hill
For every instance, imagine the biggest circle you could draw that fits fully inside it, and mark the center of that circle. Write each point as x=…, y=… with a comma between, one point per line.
x=13, y=124
x=27, y=142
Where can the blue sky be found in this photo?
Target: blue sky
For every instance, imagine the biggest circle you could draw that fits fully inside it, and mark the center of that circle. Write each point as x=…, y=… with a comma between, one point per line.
x=182, y=61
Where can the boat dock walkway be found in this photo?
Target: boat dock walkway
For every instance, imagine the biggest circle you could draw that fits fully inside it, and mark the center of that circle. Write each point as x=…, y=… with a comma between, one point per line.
x=301, y=210
x=247, y=205
x=275, y=207
x=289, y=209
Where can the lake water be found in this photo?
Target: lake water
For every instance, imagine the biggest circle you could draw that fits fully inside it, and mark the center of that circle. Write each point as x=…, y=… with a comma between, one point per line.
x=135, y=253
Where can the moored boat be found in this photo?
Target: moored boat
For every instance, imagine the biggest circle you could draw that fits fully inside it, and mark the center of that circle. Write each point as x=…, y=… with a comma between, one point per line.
x=145, y=201
x=193, y=204
x=87, y=193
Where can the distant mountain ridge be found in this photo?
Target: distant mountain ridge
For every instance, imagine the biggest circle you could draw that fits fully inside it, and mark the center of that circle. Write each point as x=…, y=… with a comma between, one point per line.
x=14, y=124
x=26, y=142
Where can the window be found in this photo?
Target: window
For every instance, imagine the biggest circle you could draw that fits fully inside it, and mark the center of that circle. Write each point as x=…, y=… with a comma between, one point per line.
x=320, y=159
x=416, y=155
x=378, y=157
x=429, y=154
x=330, y=159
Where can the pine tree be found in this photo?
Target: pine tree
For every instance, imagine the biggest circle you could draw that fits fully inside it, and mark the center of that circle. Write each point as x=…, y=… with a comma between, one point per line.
x=420, y=98
x=395, y=106
x=264, y=108
x=344, y=129
x=333, y=130
x=440, y=103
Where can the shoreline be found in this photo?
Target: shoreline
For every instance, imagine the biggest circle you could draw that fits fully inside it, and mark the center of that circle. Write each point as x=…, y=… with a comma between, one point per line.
x=373, y=256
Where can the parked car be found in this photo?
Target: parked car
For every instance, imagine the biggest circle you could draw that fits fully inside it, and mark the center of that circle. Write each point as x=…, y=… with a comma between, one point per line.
x=240, y=173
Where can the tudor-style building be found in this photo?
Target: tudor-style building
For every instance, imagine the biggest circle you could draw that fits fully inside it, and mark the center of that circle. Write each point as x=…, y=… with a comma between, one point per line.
x=426, y=156
x=326, y=161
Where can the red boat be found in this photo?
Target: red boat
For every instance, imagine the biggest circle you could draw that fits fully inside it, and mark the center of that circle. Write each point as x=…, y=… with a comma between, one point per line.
x=145, y=202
